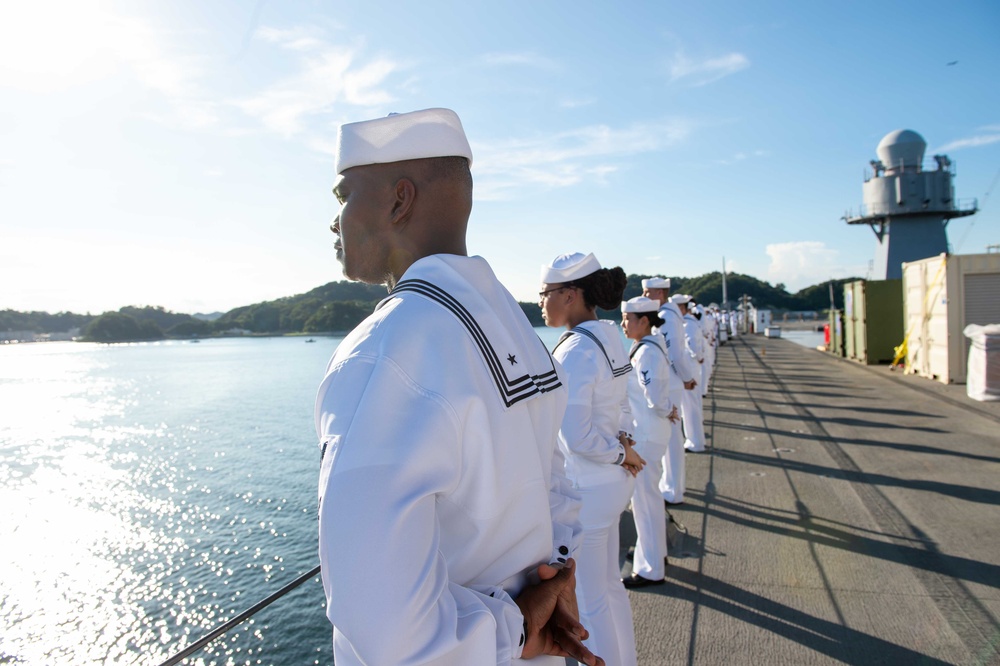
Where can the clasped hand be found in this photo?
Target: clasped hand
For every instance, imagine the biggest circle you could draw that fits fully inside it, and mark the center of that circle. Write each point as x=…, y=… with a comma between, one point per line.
x=633, y=462
x=551, y=616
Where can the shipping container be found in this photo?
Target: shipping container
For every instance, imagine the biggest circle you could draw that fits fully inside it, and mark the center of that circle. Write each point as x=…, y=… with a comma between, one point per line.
x=941, y=296
x=873, y=320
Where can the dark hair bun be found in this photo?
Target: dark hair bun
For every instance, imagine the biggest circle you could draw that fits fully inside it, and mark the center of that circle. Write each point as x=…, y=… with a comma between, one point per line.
x=604, y=288
x=653, y=318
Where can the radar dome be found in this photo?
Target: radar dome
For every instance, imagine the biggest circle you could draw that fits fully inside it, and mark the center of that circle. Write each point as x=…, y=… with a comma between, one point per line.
x=901, y=147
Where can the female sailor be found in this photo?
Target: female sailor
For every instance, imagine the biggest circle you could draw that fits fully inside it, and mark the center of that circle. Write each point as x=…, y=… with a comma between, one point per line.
x=600, y=460
x=653, y=414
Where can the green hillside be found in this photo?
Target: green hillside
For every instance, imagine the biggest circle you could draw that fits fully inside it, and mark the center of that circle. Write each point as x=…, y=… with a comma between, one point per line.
x=340, y=306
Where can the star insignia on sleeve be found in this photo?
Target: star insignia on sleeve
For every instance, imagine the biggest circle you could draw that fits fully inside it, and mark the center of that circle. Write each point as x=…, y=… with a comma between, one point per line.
x=512, y=359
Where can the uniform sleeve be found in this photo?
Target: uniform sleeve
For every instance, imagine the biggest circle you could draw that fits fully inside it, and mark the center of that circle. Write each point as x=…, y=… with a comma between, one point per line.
x=670, y=361
x=564, y=507
x=626, y=420
x=652, y=373
x=389, y=448
x=578, y=431
x=693, y=338
x=676, y=350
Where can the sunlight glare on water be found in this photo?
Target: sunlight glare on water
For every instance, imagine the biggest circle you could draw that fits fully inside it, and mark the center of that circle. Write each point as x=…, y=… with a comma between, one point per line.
x=153, y=491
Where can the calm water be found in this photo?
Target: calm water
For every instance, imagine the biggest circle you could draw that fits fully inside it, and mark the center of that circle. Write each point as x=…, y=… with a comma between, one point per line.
x=152, y=491
x=810, y=339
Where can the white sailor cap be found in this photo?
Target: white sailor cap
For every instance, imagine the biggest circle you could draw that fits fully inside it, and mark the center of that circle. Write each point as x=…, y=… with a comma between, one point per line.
x=402, y=136
x=569, y=267
x=640, y=304
x=680, y=299
x=656, y=283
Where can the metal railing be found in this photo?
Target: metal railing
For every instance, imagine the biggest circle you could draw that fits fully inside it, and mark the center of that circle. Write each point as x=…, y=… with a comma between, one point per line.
x=961, y=206
x=239, y=619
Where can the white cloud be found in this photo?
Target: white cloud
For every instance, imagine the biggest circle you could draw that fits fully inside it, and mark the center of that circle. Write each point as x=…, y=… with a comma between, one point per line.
x=525, y=59
x=567, y=158
x=702, y=72
x=799, y=264
x=294, y=39
x=46, y=46
x=742, y=156
x=327, y=75
x=992, y=136
x=59, y=47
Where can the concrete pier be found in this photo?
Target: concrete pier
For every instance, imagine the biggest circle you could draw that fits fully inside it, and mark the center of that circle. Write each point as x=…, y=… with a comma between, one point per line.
x=843, y=514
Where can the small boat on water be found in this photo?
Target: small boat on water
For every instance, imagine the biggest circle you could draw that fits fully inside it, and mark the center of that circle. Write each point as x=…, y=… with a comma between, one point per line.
x=310, y=340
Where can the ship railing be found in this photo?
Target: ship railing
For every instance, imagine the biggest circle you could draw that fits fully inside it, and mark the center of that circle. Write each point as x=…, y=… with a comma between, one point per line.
x=968, y=205
x=239, y=619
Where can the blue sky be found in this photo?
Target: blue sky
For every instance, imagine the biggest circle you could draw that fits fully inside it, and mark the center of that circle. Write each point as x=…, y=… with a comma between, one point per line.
x=179, y=153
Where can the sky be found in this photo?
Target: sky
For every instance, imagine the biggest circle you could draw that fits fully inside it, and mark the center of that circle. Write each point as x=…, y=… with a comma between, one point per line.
x=179, y=153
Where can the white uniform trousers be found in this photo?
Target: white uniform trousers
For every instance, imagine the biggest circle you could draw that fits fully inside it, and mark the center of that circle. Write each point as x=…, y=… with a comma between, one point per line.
x=694, y=430
x=672, y=478
x=600, y=594
x=709, y=365
x=649, y=514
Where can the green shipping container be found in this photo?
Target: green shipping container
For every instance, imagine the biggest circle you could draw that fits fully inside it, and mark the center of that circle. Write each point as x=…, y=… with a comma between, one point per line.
x=873, y=320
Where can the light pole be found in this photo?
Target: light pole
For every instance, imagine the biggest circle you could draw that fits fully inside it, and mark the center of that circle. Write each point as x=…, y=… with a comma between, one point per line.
x=746, y=313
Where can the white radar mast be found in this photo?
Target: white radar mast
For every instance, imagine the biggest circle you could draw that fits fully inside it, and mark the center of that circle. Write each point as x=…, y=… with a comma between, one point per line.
x=906, y=204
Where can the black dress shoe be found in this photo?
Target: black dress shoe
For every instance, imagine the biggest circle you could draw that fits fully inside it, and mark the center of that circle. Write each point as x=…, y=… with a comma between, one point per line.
x=670, y=504
x=635, y=580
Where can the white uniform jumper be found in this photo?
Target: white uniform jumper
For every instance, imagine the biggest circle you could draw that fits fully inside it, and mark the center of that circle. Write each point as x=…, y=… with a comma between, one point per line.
x=694, y=429
x=596, y=365
x=441, y=485
x=649, y=397
x=708, y=328
x=672, y=481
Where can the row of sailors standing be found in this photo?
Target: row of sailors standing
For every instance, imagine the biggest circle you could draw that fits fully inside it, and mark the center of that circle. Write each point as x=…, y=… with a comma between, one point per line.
x=470, y=485
x=640, y=422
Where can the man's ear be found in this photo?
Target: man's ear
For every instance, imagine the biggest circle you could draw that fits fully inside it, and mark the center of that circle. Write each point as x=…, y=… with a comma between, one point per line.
x=405, y=195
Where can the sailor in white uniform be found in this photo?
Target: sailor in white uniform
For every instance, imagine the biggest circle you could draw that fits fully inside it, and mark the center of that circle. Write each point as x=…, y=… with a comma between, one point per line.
x=694, y=429
x=595, y=439
x=682, y=374
x=442, y=494
x=708, y=347
x=711, y=325
x=652, y=412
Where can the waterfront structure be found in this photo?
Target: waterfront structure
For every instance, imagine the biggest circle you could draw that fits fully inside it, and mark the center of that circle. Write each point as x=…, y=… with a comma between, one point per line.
x=17, y=336
x=942, y=296
x=907, y=206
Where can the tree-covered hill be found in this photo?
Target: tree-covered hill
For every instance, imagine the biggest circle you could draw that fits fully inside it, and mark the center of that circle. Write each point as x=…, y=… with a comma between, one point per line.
x=42, y=322
x=340, y=306
x=336, y=306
